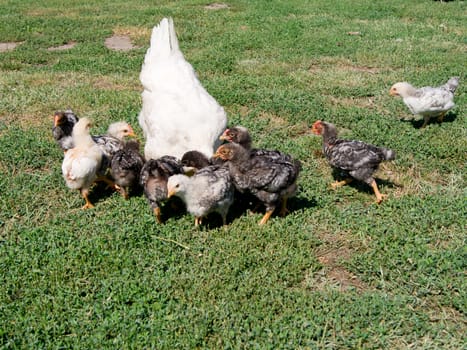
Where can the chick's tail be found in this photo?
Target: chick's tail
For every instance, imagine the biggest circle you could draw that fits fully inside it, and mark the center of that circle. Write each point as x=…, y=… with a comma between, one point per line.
x=389, y=154
x=452, y=84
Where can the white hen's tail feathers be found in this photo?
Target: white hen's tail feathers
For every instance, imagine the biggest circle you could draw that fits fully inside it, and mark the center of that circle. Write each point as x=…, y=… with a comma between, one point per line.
x=163, y=39
x=452, y=84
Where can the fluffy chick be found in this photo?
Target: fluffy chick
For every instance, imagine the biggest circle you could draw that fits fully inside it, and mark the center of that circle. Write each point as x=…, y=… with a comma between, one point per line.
x=270, y=179
x=64, y=121
x=241, y=136
x=209, y=190
x=428, y=102
x=82, y=162
x=125, y=167
x=357, y=159
x=154, y=177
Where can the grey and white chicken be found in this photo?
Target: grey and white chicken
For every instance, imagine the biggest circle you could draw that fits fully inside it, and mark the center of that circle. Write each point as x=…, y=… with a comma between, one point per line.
x=208, y=190
x=357, y=159
x=125, y=167
x=154, y=177
x=178, y=114
x=81, y=163
x=270, y=179
x=428, y=102
x=64, y=121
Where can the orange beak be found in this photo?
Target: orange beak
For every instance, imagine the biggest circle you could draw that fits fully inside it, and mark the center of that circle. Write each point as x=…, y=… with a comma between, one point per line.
x=131, y=133
x=170, y=192
x=224, y=136
x=58, y=120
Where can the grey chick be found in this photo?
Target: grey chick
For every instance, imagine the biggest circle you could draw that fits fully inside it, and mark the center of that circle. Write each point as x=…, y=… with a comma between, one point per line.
x=208, y=190
x=154, y=177
x=272, y=180
x=125, y=167
x=428, y=102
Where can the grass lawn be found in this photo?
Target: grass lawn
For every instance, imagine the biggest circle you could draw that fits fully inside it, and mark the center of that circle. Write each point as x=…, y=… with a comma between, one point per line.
x=339, y=272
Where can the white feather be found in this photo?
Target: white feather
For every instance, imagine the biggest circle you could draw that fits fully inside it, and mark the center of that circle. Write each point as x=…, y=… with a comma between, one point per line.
x=178, y=114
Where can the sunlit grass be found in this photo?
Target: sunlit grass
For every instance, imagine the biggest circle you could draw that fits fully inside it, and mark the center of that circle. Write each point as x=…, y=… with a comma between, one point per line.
x=337, y=272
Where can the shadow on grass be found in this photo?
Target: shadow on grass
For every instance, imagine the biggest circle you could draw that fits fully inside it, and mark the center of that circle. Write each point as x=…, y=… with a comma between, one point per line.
x=417, y=124
x=362, y=186
x=247, y=204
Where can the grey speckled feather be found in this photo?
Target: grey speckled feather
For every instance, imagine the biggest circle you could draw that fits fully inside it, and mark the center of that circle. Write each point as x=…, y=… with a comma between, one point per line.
x=270, y=176
x=209, y=190
x=359, y=159
x=154, y=176
x=126, y=165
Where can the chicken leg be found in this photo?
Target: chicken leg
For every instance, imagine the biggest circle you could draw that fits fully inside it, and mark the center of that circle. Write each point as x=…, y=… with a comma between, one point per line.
x=266, y=217
x=379, y=196
x=441, y=117
x=157, y=213
x=284, y=211
x=88, y=204
x=338, y=184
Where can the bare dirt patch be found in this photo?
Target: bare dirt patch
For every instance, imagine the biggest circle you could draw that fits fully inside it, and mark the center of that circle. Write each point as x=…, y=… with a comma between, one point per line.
x=69, y=45
x=336, y=249
x=4, y=47
x=216, y=6
x=119, y=43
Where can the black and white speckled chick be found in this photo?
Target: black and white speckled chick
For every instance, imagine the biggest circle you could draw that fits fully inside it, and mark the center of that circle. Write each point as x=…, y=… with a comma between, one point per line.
x=270, y=179
x=126, y=166
x=209, y=190
x=64, y=121
x=154, y=177
x=356, y=158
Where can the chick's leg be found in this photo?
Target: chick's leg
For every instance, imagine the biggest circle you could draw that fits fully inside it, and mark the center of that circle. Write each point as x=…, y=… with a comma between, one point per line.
x=109, y=182
x=338, y=184
x=379, y=196
x=85, y=194
x=284, y=211
x=266, y=217
x=441, y=117
x=198, y=220
x=157, y=213
x=425, y=122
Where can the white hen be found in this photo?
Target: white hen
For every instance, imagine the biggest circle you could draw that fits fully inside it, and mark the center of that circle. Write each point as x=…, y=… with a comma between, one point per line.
x=178, y=114
x=428, y=102
x=81, y=163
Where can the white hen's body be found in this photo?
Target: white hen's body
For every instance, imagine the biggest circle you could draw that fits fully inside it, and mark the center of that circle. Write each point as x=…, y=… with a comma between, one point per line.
x=178, y=114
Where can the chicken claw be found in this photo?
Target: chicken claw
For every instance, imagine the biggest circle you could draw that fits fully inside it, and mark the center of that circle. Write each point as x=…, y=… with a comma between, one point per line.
x=157, y=213
x=266, y=217
x=379, y=196
x=338, y=184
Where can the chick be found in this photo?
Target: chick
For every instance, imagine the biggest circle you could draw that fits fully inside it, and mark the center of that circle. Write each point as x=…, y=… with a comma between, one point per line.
x=64, y=121
x=357, y=159
x=270, y=179
x=82, y=162
x=209, y=190
x=154, y=176
x=237, y=134
x=428, y=102
x=125, y=167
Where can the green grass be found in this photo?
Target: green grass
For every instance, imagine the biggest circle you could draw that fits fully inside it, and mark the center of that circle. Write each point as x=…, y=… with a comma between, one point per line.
x=339, y=272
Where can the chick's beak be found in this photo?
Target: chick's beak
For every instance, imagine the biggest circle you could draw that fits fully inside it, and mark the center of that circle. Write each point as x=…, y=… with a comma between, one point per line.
x=217, y=155
x=224, y=137
x=170, y=192
x=393, y=92
x=131, y=132
x=57, y=120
